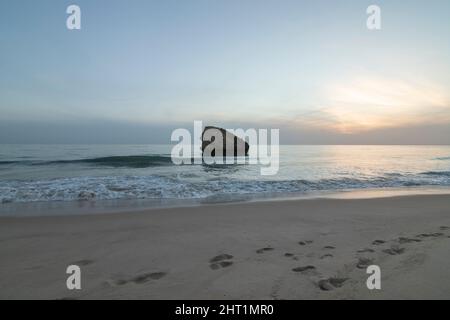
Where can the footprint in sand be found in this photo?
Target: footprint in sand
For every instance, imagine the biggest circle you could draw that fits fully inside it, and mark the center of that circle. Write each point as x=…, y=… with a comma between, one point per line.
x=259, y=251
x=306, y=242
x=143, y=278
x=329, y=248
x=394, y=251
x=366, y=250
x=290, y=255
x=363, y=263
x=138, y=279
x=325, y=256
x=331, y=283
x=221, y=261
x=305, y=269
x=430, y=235
x=378, y=242
x=83, y=263
x=403, y=240
x=443, y=228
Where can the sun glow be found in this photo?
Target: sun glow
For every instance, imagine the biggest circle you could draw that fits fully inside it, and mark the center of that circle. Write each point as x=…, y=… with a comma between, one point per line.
x=368, y=104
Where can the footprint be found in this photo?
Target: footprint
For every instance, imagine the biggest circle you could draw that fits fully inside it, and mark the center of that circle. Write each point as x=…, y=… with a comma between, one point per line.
x=223, y=264
x=443, y=228
x=326, y=256
x=337, y=282
x=276, y=288
x=403, y=240
x=139, y=279
x=363, y=263
x=289, y=255
x=259, y=251
x=306, y=242
x=378, y=242
x=304, y=269
x=221, y=257
x=430, y=235
x=331, y=283
x=329, y=247
x=143, y=278
x=84, y=262
x=221, y=261
x=325, y=285
x=117, y=282
x=394, y=250
x=366, y=250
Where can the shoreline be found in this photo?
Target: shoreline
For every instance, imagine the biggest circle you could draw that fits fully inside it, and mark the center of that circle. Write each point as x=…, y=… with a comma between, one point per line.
x=94, y=207
x=297, y=249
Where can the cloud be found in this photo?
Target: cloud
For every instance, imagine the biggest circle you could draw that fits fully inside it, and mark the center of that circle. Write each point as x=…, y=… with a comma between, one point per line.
x=365, y=104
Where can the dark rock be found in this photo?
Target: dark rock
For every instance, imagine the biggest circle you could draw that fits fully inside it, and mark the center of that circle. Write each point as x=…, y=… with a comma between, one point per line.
x=229, y=144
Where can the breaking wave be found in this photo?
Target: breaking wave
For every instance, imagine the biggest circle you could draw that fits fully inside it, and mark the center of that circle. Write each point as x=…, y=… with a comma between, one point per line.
x=176, y=187
x=438, y=173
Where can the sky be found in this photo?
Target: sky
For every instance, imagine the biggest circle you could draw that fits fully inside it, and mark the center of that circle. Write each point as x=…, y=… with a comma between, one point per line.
x=139, y=69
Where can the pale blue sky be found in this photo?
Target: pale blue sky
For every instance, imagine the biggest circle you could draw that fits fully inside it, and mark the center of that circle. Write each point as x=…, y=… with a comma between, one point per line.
x=311, y=67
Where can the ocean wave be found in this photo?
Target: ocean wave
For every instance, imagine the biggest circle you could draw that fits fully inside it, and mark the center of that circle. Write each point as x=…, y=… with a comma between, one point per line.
x=442, y=158
x=174, y=187
x=112, y=161
x=8, y=162
x=437, y=173
x=123, y=161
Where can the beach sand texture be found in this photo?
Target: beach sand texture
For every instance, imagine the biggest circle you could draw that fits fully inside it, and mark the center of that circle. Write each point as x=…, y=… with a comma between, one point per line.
x=293, y=249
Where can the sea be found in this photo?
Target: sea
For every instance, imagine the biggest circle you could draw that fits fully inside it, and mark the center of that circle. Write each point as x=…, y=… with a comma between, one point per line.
x=68, y=173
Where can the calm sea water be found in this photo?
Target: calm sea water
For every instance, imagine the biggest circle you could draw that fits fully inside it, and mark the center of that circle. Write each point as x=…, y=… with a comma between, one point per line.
x=30, y=173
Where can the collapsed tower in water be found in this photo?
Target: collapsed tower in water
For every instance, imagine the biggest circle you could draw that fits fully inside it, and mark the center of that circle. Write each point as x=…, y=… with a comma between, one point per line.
x=220, y=142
